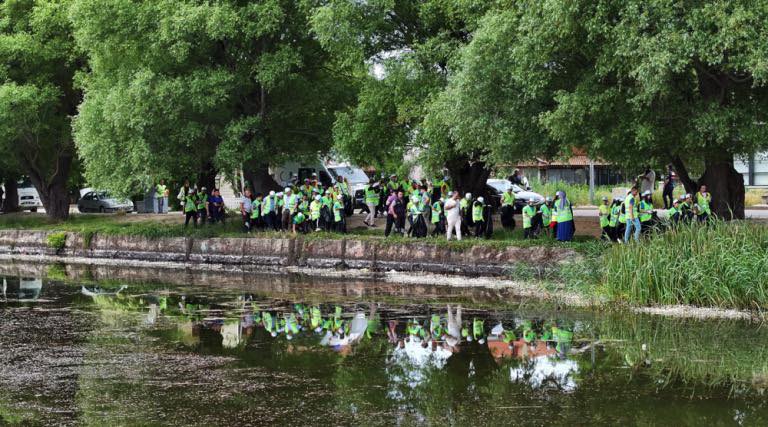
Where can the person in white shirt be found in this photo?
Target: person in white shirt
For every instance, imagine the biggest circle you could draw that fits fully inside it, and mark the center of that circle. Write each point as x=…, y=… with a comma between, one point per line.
x=453, y=215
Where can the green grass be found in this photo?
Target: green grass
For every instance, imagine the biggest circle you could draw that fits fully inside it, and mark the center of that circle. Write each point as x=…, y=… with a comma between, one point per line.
x=89, y=225
x=722, y=265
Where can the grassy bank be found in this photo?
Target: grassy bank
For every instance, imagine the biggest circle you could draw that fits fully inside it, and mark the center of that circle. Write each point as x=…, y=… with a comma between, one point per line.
x=723, y=265
x=168, y=226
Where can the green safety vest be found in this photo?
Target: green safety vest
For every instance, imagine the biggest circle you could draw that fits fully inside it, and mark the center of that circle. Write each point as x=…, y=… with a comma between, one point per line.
x=627, y=203
x=160, y=191
x=337, y=207
x=615, y=211
x=477, y=328
x=327, y=201
x=299, y=218
x=508, y=199
x=201, y=201
x=645, y=206
x=703, y=202
x=314, y=210
x=477, y=212
x=436, y=211
x=546, y=214
x=291, y=202
x=605, y=212
x=371, y=196
x=565, y=214
x=256, y=205
x=671, y=213
x=463, y=203
x=190, y=205
x=528, y=213
x=344, y=187
x=416, y=209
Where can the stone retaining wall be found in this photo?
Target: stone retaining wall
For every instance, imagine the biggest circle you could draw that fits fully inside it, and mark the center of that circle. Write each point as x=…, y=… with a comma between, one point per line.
x=276, y=253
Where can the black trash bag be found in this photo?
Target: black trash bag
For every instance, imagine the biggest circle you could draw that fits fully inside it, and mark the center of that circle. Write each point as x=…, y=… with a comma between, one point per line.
x=419, y=229
x=349, y=207
x=326, y=219
x=488, y=217
x=508, y=217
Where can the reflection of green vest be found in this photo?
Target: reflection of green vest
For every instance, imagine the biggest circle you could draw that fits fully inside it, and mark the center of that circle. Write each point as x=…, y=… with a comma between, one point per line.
x=528, y=213
x=477, y=328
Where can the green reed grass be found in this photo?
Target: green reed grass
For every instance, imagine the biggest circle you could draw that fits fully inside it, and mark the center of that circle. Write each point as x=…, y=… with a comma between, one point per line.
x=720, y=264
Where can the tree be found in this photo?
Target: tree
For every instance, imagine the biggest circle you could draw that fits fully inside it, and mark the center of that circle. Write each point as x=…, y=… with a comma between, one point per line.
x=411, y=45
x=635, y=82
x=187, y=88
x=38, y=62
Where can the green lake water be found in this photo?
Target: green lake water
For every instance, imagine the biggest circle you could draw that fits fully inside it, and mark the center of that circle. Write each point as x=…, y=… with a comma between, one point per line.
x=119, y=352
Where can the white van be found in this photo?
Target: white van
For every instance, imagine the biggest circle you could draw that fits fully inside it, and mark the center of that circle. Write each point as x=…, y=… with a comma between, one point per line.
x=328, y=173
x=29, y=200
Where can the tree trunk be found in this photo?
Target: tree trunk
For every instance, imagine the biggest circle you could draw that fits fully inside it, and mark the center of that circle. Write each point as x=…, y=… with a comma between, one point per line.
x=53, y=193
x=727, y=188
x=257, y=177
x=207, y=177
x=469, y=176
x=11, y=196
x=690, y=185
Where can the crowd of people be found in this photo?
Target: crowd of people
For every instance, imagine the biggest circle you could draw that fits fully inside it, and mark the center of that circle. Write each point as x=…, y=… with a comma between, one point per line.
x=635, y=215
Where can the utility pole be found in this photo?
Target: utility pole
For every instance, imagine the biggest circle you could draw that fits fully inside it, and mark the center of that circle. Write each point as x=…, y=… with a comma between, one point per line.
x=591, y=182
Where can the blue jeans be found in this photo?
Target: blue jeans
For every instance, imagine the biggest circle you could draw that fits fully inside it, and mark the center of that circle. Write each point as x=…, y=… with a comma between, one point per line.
x=632, y=223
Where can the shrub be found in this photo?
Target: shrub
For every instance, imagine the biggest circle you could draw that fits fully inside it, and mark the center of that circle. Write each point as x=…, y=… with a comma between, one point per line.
x=721, y=264
x=57, y=241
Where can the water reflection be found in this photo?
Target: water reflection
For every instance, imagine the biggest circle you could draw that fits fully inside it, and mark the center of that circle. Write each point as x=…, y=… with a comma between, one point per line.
x=379, y=362
x=21, y=289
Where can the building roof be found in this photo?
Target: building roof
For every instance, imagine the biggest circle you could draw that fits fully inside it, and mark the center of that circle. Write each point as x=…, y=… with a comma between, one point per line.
x=578, y=159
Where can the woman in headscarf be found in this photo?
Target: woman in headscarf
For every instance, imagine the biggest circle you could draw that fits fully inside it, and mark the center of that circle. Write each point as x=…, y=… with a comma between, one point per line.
x=564, y=213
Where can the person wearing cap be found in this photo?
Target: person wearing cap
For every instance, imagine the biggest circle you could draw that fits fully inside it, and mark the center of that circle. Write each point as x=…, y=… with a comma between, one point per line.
x=290, y=204
x=477, y=216
x=202, y=205
x=339, y=224
x=604, y=211
x=546, y=216
x=632, y=212
x=686, y=207
x=704, y=200
x=182, y=195
x=314, y=212
x=256, y=218
x=269, y=211
x=613, y=219
x=216, y=207
x=246, y=208
x=508, y=209
x=452, y=209
x=646, y=213
x=529, y=211
x=466, y=213
x=438, y=219
x=371, y=197
x=673, y=213
x=190, y=208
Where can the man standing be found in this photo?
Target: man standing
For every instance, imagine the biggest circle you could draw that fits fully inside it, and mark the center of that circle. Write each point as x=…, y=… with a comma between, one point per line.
x=290, y=202
x=216, y=207
x=190, y=208
x=631, y=206
x=647, y=180
x=202, y=205
x=508, y=209
x=160, y=197
x=453, y=216
x=246, y=208
x=477, y=216
x=605, y=213
x=528, y=213
x=371, y=201
x=182, y=195
x=669, y=188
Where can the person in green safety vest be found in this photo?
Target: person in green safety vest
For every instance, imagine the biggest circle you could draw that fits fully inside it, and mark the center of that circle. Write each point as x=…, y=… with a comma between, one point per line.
x=632, y=212
x=646, y=213
x=299, y=221
x=314, y=212
x=704, y=200
x=190, y=208
x=202, y=206
x=673, y=213
x=604, y=211
x=477, y=216
x=686, y=208
x=160, y=197
x=564, y=213
x=613, y=219
x=304, y=205
x=466, y=213
x=478, y=330
x=438, y=218
x=416, y=215
x=508, y=209
x=546, y=216
x=371, y=197
x=290, y=205
x=256, y=221
x=269, y=323
x=529, y=212
x=339, y=222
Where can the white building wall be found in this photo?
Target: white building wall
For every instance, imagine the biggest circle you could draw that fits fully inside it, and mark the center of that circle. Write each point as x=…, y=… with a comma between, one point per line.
x=759, y=169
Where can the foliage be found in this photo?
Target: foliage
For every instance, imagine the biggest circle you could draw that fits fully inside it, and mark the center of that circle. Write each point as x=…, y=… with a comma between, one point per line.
x=180, y=87
x=38, y=62
x=57, y=241
x=720, y=264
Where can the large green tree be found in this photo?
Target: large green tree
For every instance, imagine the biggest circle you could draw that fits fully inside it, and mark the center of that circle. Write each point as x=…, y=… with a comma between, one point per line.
x=182, y=88
x=635, y=82
x=402, y=52
x=38, y=63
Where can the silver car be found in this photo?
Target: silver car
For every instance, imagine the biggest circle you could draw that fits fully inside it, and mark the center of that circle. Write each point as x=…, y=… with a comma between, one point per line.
x=101, y=201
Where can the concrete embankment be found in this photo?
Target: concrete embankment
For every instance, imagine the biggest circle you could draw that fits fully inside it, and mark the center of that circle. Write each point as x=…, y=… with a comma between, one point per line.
x=284, y=253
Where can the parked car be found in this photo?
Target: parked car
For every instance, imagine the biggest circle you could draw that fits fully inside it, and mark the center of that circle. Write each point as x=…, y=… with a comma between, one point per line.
x=101, y=201
x=29, y=199
x=495, y=188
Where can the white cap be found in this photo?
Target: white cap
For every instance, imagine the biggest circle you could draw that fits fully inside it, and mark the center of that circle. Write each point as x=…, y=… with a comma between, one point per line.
x=646, y=193
x=481, y=199
x=468, y=196
x=339, y=197
x=450, y=194
x=271, y=193
x=287, y=189
x=605, y=198
x=318, y=198
x=549, y=199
